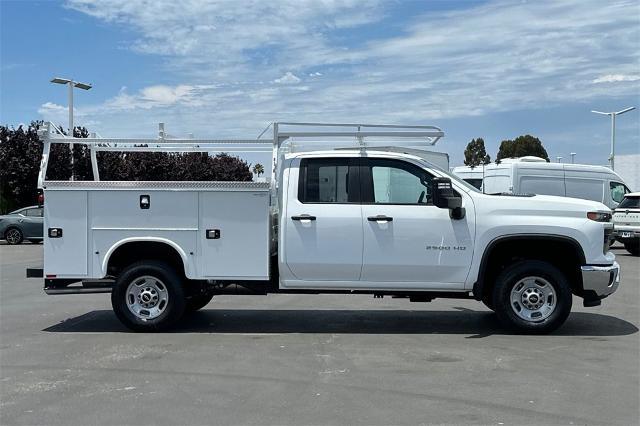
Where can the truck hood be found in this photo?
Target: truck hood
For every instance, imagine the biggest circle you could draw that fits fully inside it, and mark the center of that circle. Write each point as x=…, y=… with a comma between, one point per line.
x=544, y=205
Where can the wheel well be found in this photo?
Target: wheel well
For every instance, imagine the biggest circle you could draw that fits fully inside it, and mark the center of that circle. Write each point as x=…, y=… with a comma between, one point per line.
x=135, y=251
x=563, y=253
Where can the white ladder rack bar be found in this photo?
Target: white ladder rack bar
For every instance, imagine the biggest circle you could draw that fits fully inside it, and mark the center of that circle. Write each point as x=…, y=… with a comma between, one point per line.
x=49, y=133
x=430, y=134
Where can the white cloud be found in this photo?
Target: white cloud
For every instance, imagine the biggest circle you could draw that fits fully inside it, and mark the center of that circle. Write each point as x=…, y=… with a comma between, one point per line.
x=166, y=95
x=613, y=78
x=54, y=112
x=288, y=78
x=489, y=57
x=51, y=107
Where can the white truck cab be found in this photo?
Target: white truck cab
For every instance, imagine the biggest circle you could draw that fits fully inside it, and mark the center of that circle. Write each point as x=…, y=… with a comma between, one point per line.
x=366, y=220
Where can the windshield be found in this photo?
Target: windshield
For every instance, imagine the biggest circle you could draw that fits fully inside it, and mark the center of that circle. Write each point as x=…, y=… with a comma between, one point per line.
x=630, y=203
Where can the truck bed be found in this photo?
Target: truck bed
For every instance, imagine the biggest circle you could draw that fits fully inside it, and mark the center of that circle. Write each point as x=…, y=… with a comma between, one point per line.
x=98, y=217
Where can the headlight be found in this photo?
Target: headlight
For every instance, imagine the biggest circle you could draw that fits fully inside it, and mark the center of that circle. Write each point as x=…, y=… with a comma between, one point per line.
x=599, y=216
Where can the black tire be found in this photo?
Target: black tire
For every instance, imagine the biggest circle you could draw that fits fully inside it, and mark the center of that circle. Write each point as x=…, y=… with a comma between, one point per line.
x=164, y=276
x=488, y=301
x=13, y=236
x=544, y=274
x=197, y=302
x=633, y=247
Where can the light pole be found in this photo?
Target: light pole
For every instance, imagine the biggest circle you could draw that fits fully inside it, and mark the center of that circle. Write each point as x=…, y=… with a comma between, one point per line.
x=71, y=85
x=573, y=157
x=558, y=159
x=613, y=131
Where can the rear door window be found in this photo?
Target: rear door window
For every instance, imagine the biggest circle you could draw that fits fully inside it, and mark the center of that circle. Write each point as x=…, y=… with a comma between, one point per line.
x=33, y=212
x=328, y=180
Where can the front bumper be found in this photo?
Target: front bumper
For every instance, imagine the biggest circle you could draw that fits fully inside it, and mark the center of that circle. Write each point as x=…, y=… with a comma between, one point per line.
x=600, y=281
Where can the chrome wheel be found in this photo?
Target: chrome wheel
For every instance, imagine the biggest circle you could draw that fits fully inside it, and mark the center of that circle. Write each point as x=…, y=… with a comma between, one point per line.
x=147, y=297
x=13, y=236
x=533, y=299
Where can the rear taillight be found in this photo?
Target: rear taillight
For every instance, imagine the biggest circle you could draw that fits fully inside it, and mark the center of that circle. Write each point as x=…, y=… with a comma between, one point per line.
x=40, y=198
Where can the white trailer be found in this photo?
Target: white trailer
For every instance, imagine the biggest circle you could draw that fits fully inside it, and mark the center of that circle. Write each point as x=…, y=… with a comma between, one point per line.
x=376, y=218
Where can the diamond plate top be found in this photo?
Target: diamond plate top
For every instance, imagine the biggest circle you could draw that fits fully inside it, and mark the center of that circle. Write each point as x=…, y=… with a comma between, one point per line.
x=169, y=185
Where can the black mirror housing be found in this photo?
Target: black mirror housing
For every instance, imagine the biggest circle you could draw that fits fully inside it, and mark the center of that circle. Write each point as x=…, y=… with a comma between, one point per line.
x=445, y=197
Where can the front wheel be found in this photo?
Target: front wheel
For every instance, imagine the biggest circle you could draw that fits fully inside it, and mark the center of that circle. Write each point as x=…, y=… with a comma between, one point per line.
x=148, y=296
x=532, y=297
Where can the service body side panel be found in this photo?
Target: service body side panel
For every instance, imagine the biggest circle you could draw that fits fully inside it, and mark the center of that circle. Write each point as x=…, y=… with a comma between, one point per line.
x=66, y=257
x=242, y=219
x=99, y=217
x=115, y=218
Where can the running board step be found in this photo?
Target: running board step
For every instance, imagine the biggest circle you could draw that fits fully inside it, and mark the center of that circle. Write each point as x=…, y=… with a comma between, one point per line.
x=100, y=286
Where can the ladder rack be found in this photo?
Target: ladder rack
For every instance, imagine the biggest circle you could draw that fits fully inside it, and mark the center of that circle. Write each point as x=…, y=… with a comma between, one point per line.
x=283, y=133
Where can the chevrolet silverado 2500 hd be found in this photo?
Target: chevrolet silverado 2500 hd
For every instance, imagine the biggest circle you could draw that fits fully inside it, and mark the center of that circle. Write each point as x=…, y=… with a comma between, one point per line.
x=366, y=220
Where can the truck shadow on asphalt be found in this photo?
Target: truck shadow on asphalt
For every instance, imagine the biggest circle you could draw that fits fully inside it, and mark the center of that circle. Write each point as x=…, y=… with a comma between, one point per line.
x=476, y=324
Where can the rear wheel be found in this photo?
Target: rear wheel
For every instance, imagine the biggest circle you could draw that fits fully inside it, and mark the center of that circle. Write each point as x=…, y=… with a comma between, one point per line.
x=148, y=296
x=633, y=247
x=13, y=236
x=532, y=297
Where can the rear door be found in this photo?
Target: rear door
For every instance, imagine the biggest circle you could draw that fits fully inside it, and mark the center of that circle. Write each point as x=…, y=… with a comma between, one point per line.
x=323, y=223
x=408, y=242
x=33, y=222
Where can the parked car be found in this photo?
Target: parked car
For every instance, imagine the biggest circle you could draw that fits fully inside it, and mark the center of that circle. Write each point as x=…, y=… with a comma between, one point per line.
x=533, y=175
x=626, y=219
x=22, y=224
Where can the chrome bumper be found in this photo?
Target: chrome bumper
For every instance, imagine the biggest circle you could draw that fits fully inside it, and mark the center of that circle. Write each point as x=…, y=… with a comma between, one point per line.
x=602, y=280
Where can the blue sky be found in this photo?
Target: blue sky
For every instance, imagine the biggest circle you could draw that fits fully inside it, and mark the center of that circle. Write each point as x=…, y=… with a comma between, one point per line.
x=493, y=69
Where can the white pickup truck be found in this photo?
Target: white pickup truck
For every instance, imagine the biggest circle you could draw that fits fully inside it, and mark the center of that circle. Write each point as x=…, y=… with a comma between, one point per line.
x=368, y=220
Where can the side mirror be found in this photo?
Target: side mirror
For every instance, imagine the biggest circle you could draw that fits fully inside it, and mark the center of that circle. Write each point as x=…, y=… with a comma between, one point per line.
x=445, y=197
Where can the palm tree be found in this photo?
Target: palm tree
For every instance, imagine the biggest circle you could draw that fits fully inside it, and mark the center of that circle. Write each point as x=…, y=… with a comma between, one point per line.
x=258, y=169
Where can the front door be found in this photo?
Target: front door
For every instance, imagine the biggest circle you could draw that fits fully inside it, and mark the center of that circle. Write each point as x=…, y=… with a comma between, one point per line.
x=323, y=224
x=408, y=242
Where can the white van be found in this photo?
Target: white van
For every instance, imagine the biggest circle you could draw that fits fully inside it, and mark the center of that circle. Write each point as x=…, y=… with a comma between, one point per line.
x=534, y=175
x=471, y=175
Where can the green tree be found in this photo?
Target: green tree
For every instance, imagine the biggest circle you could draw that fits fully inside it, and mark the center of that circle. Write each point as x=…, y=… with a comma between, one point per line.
x=258, y=169
x=521, y=146
x=20, y=154
x=476, y=154
x=21, y=151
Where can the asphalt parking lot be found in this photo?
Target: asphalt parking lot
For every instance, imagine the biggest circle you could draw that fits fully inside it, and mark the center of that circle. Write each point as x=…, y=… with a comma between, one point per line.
x=311, y=360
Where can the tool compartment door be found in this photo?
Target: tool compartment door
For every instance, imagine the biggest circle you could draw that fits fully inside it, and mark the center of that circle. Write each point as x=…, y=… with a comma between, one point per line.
x=66, y=256
x=238, y=242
